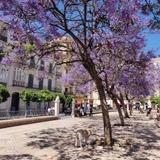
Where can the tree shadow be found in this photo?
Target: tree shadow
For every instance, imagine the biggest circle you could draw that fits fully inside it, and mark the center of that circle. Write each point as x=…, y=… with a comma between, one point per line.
x=18, y=157
x=62, y=140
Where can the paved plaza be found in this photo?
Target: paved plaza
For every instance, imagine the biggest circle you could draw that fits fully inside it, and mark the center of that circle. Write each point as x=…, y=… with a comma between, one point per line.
x=54, y=140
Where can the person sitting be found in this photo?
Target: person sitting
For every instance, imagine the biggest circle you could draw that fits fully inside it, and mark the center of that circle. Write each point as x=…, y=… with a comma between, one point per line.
x=49, y=110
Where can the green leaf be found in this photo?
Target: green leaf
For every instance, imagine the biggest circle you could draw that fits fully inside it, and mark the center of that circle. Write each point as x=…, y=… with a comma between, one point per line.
x=4, y=93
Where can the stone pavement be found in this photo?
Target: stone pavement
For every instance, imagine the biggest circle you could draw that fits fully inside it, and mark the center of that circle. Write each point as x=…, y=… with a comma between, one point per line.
x=54, y=140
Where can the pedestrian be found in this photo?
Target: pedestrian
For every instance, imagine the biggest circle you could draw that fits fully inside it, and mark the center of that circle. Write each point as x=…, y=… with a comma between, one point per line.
x=85, y=109
x=49, y=110
x=149, y=110
x=81, y=112
x=91, y=110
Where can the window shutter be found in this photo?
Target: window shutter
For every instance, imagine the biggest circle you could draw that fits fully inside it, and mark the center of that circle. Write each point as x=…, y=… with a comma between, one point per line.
x=49, y=84
x=30, y=81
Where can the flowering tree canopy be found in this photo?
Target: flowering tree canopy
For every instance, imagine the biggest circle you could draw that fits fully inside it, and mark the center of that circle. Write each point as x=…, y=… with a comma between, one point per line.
x=152, y=8
x=107, y=46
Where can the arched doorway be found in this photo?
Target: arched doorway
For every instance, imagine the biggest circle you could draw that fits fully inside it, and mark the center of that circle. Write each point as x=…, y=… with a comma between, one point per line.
x=15, y=102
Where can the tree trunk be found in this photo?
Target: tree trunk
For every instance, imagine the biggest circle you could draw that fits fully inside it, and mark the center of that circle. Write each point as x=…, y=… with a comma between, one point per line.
x=121, y=99
x=107, y=126
x=125, y=110
x=106, y=119
x=119, y=111
x=130, y=108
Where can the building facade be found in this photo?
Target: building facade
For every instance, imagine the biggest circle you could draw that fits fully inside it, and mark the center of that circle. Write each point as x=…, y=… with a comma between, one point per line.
x=19, y=79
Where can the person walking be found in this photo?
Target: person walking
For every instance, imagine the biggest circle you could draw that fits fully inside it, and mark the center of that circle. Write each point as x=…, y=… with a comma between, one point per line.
x=81, y=112
x=91, y=110
x=149, y=110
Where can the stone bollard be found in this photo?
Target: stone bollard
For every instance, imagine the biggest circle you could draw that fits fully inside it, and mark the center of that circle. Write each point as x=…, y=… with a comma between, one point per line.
x=73, y=108
x=57, y=103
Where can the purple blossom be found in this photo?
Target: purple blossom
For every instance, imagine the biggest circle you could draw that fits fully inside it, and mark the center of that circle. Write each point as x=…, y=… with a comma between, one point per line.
x=1, y=47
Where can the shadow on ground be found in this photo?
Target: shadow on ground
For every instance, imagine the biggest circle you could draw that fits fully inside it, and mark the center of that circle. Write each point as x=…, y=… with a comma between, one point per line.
x=18, y=157
x=144, y=139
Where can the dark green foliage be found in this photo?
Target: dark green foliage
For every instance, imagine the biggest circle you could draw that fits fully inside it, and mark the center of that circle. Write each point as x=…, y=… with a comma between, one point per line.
x=34, y=96
x=4, y=93
x=142, y=101
x=26, y=95
x=156, y=99
x=45, y=96
x=69, y=99
x=61, y=97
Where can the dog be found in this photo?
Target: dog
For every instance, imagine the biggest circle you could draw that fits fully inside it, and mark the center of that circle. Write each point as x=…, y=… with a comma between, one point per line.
x=82, y=134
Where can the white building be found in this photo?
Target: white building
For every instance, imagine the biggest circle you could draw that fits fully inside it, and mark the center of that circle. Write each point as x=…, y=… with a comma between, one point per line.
x=19, y=79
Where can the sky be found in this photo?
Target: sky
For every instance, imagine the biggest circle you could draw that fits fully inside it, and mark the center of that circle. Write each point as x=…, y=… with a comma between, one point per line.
x=153, y=42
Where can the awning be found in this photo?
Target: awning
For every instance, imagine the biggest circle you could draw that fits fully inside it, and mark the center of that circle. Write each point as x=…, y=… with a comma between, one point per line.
x=79, y=102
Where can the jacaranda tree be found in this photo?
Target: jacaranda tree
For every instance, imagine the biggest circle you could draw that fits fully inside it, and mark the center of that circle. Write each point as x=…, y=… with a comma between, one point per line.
x=107, y=39
x=152, y=8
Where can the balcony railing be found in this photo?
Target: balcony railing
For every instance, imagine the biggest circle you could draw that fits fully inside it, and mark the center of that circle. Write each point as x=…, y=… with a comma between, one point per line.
x=18, y=83
x=36, y=86
x=55, y=89
x=58, y=74
x=68, y=93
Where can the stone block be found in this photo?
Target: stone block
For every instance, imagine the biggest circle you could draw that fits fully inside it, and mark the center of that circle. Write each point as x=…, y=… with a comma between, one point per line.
x=23, y=121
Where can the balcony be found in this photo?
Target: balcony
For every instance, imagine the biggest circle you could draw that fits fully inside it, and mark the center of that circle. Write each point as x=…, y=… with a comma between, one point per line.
x=59, y=74
x=41, y=68
x=56, y=89
x=68, y=93
x=4, y=84
x=3, y=38
x=18, y=83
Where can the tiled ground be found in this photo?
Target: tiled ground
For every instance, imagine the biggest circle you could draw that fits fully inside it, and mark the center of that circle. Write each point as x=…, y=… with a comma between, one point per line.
x=54, y=140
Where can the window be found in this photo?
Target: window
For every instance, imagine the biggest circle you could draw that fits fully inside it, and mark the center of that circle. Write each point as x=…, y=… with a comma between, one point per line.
x=41, y=65
x=4, y=74
x=19, y=74
x=3, y=35
x=91, y=95
x=30, y=81
x=66, y=89
x=4, y=32
x=50, y=68
x=49, y=84
x=32, y=62
x=40, y=86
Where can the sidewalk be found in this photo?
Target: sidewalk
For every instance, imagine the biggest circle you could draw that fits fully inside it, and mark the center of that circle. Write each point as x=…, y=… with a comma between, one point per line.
x=54, y=140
